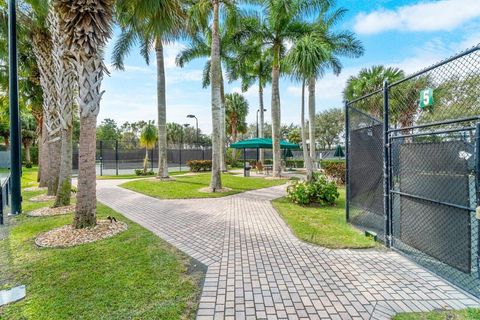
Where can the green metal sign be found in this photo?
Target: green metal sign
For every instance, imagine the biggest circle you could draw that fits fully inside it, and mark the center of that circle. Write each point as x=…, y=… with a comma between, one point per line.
x=426, y=98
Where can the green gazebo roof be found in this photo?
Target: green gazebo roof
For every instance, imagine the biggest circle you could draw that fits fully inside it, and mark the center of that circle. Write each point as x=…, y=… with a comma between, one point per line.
x=262, y=143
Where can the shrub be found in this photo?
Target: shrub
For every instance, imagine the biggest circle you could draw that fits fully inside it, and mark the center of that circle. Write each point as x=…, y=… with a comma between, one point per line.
x=320, y=191
x=200, y=165
x=294, y=163
x=139, y=172
x=335, y=169
x=28, y=165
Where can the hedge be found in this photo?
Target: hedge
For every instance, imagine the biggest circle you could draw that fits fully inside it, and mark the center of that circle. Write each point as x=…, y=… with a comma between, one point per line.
x=335, y=169
x=200, y=165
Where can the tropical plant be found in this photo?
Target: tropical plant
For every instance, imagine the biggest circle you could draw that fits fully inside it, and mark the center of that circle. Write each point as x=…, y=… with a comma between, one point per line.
x=317, y=191
x=236, y=109
x=148, y=139
x=29, y=133
x=87, y=27
x=151, y=24
x=367, y=81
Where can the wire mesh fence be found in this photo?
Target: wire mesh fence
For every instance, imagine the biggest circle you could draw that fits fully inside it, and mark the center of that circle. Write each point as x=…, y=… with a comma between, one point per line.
x=413, y=169
x=116, y=157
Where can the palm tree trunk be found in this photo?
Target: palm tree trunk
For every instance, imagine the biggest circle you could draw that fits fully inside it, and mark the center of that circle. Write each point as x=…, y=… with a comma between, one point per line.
x=311, y=118
x=216, y=179
x=306, y=156
x=54, y=148
x=145, y=162
x=64, y=190
x=85, y=213
x=224, y=124
x=261, y=120
x=277, y=165
x=43, y=157
x=27, y=152
x=162, y=111
x=234, y=138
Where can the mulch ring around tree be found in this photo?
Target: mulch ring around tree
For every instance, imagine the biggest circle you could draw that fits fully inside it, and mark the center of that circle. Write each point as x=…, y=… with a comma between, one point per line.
x=210, y=190
x=67, y=236
x=42, y=198
x=48, y=212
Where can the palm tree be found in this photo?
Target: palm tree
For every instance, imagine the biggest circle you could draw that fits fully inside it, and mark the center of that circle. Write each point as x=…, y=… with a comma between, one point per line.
x=281, y=22
x=87, y=27
x=200, y=13
x=367, y=81
x=252, y=64
x=150, y=23
x=236, y=109
x=335, y=44
x=28, y=134
x=200, y=46
x=148, y=139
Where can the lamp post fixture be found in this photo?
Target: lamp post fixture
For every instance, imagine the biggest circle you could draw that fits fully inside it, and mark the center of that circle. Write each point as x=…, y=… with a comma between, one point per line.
x=190, y=116
x=264, y=110
x=15, y=149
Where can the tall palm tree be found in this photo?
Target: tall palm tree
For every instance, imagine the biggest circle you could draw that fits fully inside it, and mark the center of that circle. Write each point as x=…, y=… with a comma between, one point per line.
x=87, y=27
x=279, y=23
x=204, y=14
x=200, y=46
x=236, y=109
x=151, y=24
x=28, y=134
x=253, y=64
x=335, y=44
x=148, y=139
x=64, y=78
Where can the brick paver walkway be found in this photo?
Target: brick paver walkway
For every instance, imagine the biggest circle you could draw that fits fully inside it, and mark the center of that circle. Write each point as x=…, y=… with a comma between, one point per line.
x=257, y=269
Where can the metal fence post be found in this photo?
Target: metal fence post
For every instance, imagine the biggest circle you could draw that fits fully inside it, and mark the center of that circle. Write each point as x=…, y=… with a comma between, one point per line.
x=101, y=157
x=386, y=170
x=477, y=173
x=116, y=156
x=347, y=163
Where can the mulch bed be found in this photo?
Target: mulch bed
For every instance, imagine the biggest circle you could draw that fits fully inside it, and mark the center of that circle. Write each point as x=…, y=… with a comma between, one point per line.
x=48, y=212
x=42, y=198
x=67, y=236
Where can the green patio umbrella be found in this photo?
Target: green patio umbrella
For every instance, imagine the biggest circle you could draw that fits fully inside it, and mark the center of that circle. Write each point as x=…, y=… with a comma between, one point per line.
x=339, y=152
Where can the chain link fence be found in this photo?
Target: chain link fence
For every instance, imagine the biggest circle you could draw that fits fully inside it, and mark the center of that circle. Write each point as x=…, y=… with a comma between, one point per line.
x=116, y=157
x=413, y=167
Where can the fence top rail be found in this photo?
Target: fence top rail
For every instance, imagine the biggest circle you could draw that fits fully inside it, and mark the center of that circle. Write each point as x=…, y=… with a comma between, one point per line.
x=436, y=65
x=433, y=124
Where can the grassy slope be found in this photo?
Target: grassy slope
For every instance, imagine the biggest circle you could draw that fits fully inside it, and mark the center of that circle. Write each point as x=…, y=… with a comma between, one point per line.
x=134, y=275
x=186, y=187
x=324, y=226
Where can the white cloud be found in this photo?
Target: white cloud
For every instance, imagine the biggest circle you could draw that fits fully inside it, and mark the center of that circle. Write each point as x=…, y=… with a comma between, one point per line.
x=441, y=15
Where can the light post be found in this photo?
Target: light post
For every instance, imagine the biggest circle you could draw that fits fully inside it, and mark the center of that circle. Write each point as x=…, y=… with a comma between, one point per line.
x=190, y=116
x=15, y=149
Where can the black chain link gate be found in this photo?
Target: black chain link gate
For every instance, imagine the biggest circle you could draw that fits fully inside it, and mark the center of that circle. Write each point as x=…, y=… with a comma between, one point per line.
x=413, y=162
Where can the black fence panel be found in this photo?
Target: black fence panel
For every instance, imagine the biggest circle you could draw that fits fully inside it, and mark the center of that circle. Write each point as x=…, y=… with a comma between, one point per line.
x=413, y=174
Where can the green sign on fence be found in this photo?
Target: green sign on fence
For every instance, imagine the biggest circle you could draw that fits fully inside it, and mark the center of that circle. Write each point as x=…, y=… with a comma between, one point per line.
x=426, y=98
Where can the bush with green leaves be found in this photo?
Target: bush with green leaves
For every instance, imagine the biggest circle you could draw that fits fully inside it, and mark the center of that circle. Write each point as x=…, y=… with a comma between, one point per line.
x=320, y=191
x=200, y=165
x=141, y=172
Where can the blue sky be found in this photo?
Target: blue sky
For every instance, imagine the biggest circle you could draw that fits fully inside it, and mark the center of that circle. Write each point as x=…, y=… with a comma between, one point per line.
x=409, y=34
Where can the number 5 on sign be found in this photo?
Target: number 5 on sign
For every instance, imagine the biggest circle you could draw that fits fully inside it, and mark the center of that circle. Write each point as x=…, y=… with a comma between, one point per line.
x=426, y=98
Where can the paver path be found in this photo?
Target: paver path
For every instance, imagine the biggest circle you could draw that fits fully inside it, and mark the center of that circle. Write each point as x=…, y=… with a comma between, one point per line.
x=257, y=269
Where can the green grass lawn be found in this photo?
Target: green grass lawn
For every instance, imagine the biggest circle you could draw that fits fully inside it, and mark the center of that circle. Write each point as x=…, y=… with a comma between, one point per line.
x=134, y=176
x=134, y=275
x=467, y=314
x=187, y=187
x=324, y=226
